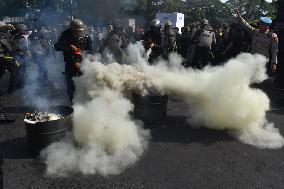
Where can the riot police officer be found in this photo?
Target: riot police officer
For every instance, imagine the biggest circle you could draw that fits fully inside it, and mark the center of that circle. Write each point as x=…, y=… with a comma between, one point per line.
x=21, y=48
x=169, y=40
x=203, y=39
x=42, y=52
x=152, y=39
x=184, y=44
x=7, y=62
x=72, y=43
x=130, y=35
x=264, y=41
x=115, y=42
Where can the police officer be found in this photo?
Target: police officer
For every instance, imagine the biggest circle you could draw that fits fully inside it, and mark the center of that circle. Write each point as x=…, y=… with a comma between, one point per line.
x=20, y=44
x=264, y=41
x=184, y=44
x=115, y=42
x=152, y=39
x=7, y=62
x=72, y=43
x=169, y=40
x=130, y=35
x=42, y=52
x=203, y=39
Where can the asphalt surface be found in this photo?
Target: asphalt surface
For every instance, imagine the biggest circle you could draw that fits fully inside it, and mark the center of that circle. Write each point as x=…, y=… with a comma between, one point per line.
x=178, y=157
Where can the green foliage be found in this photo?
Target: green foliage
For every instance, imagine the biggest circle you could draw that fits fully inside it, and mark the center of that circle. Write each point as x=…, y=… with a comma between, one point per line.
x=253, y=9
x=214, y=10
x=194, y=10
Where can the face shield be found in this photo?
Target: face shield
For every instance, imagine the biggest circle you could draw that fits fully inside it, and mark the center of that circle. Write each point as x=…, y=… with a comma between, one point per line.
x=78, y=32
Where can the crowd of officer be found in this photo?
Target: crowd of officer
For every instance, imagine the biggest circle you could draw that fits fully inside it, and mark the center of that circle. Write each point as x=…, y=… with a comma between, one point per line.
x=17, y=49
x=199, y=43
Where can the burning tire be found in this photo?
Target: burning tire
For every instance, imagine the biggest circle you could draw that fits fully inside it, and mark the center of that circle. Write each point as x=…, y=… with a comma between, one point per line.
x=42, y=131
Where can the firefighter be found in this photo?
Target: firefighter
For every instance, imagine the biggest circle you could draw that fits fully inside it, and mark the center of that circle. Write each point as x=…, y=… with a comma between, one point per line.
x=203, y=39
x=264, y=41
x=7, y=62
x=72, y=43
x=152, y=39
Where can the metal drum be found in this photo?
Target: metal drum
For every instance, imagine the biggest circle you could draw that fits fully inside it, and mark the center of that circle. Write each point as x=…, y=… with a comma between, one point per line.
x=150, y=109
x=42, y=134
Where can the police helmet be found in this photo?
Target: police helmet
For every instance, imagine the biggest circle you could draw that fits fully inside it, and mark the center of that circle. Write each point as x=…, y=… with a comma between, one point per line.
x=10, y=27
x=155, y=23
x=205, y=22
x=22, y=27
x=77, y=24
x=2, y=24
x=110, y=27
x=43, y=33
x=168, y=24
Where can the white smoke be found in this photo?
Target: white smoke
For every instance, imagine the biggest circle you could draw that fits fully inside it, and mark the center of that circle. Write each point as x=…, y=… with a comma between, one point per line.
x=36, y=92
x=221, y=98
x=107, y=140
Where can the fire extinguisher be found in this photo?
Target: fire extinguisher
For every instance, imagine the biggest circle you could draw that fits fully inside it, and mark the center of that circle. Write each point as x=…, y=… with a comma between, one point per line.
x=77, y=58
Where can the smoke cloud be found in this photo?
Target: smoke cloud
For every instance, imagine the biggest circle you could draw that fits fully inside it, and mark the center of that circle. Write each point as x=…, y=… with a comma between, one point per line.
x=221, y=98
x=106, y=139
x=35, y=92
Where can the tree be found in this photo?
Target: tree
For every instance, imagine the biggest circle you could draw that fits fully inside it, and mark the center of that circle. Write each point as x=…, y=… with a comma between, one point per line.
x=194, y=10
x=253, y=9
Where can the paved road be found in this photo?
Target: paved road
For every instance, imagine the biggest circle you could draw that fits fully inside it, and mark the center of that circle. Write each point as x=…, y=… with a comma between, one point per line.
x=178, y=157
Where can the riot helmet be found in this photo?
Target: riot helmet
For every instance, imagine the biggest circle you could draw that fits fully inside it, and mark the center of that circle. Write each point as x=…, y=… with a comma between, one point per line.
x=22, y=28
x=205, y=22
x=2, y=24
x=155, y=23
x=168, y=24
x=43, y=33
x=109, y=28
x=77, y=24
